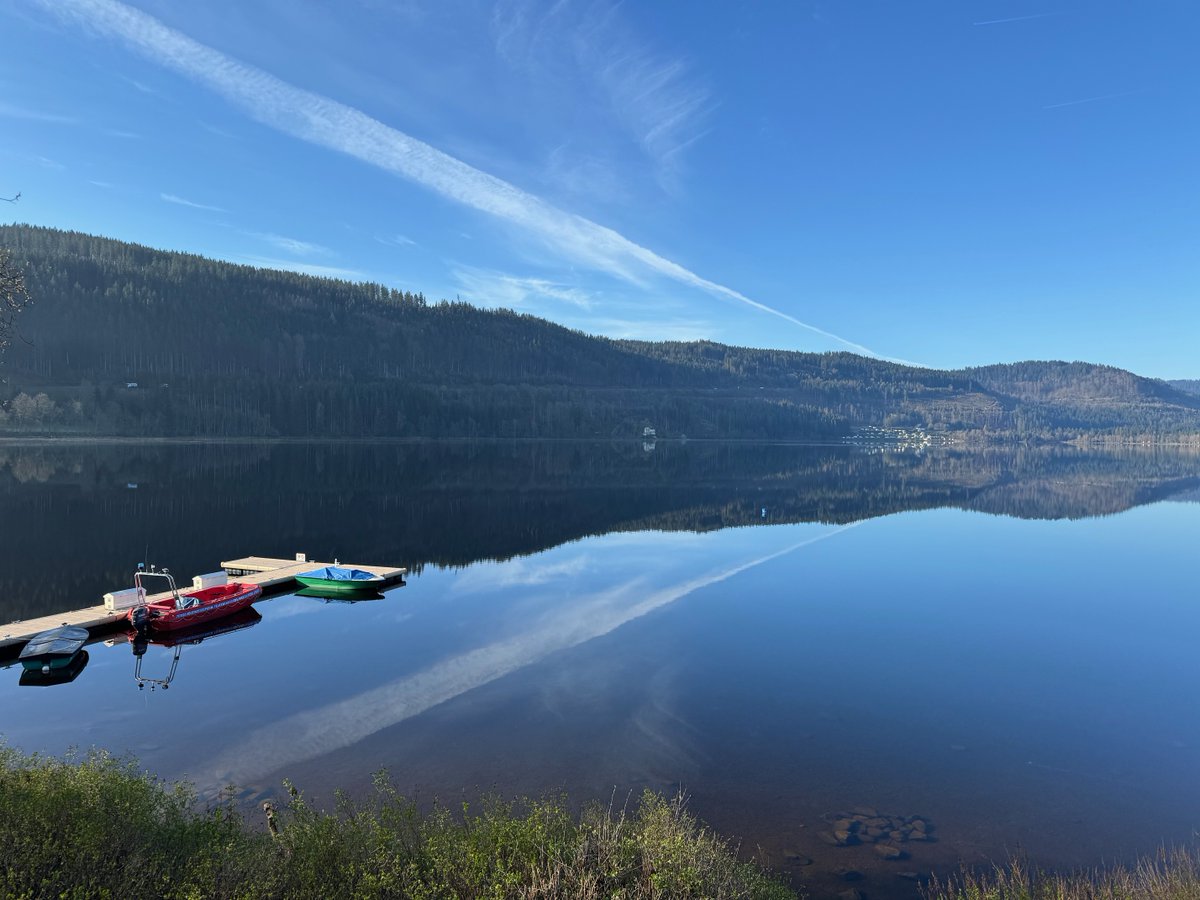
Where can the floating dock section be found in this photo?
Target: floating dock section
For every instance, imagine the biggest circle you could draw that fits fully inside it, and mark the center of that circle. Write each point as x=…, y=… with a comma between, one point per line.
x=274, y=575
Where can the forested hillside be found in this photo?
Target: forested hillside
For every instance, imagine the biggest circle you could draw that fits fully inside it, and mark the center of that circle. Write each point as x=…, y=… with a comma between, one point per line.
x=124, y=339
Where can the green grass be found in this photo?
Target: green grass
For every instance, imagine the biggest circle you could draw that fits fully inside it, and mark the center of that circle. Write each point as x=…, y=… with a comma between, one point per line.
x=97, y=827
x=1170, y=875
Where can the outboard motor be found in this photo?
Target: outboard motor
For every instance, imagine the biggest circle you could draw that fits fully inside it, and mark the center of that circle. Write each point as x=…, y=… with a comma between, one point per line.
x=140, y=620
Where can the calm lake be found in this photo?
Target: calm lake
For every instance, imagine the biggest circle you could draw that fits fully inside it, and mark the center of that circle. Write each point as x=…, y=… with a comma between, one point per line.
x=1003, y=643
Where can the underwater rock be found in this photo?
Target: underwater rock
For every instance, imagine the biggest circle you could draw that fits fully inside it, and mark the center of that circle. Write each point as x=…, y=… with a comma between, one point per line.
x=888, y=851
x=848, y=829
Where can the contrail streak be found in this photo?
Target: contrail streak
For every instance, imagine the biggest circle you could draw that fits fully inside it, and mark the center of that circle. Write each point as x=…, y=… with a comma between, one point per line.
x=1091, y=99
x=1017, y=18
x=328, y=123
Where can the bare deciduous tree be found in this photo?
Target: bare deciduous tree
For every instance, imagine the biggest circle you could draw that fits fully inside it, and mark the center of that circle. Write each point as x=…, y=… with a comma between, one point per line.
x=13, y=299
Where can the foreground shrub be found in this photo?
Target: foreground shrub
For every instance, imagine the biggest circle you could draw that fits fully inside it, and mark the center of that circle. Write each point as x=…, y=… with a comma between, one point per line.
x=97, y=827
x=1171, y=875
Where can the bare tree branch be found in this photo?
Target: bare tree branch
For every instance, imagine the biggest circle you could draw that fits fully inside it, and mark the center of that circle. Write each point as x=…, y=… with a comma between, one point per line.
x=13, y=299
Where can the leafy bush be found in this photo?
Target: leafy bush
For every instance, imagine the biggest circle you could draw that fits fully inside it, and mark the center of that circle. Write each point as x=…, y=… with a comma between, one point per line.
x=98, y=827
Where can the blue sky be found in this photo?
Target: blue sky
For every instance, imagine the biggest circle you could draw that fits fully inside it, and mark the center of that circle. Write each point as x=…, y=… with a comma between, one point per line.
x=948, y=183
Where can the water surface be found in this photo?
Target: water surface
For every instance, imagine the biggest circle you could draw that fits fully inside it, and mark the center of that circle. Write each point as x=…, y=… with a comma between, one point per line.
x=1003, y=643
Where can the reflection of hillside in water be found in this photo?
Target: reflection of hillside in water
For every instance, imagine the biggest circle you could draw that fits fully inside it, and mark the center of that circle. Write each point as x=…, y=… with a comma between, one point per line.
x=78, y=517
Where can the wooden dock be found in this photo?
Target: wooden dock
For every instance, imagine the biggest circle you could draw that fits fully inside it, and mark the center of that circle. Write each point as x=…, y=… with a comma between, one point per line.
x=273, y=575
x=263, y=570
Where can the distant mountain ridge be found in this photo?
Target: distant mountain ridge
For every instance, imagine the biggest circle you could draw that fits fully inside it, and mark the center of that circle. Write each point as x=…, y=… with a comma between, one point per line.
x=126, y=339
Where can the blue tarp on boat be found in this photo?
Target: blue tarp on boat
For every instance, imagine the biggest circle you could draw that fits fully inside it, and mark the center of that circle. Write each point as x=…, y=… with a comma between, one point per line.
x=340, y=573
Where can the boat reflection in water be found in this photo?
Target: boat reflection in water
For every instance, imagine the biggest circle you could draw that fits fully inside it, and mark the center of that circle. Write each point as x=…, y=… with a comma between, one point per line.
x=45, y=677
x=342, y=596
x=141, y=641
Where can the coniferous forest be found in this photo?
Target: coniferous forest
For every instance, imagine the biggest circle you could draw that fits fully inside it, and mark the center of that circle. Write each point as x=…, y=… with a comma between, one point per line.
x=126, y=340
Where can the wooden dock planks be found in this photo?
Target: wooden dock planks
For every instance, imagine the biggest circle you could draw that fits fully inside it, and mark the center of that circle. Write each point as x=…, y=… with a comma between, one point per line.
x=261, y=570
x=92, y=617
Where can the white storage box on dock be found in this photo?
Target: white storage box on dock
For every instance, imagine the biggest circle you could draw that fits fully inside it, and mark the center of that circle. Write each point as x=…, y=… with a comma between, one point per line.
x=117, y=600
x=212, y=579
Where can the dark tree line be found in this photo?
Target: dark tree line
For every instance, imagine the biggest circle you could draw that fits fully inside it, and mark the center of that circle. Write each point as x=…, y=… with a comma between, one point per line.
x=130, y=340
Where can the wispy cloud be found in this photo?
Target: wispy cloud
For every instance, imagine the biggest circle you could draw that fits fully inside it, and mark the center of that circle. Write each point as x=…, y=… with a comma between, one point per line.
x=488, y=288
x=290, y=245
x=124, y=135
x=678, y=329
x=518, y=573
x=217, y=130
x=395, y=240
x=582, y=173
x=101, y=184
x=12, y=111
x=180, y=201
x=327, y=123
x=654, y=98
x=1095, y=99
x=1042, y=15
x=303, y=268
x=139, y=85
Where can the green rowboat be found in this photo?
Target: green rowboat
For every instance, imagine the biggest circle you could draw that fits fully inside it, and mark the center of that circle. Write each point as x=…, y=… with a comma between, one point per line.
x=340, y=580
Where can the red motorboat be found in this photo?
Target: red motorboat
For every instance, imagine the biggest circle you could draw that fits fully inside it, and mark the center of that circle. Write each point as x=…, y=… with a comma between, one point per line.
x=175, y=610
